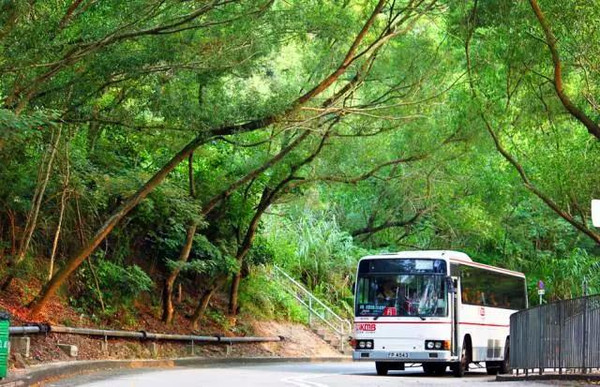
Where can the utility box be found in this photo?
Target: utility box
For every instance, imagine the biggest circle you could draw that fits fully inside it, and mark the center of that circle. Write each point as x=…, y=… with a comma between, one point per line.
x=4, y=343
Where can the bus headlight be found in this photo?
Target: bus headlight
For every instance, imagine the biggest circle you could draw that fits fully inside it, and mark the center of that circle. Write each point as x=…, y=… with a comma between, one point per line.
x=364, y=344
x=437, y=345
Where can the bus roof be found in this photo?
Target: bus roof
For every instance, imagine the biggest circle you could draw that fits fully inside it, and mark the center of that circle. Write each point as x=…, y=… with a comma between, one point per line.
x=452, y=256
x=441, y=254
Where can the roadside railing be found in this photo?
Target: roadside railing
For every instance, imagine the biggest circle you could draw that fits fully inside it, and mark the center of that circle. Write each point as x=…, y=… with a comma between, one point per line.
x=315, y=307
x=563, y=335
x=141, y=335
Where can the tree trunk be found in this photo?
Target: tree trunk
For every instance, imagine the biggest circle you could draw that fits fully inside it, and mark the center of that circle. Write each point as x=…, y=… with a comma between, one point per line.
x=63, y=203
x=69, y=14
x=81, y=235
x=167, y=315
x=191, y=175
x=235, y=287
x=13, y=233
x=31, y=223
x=97, y=282
x=201, y=308
x=265, y=200
x=204, y=300
x=167, y=297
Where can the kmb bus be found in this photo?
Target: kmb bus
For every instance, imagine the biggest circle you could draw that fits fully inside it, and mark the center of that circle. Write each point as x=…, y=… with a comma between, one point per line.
x=434, y=308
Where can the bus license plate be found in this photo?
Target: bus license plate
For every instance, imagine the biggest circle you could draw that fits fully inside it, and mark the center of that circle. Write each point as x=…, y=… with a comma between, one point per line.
x=398, y=355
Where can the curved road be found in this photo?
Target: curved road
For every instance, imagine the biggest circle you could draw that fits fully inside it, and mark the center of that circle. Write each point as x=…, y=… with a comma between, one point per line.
x=281, y=375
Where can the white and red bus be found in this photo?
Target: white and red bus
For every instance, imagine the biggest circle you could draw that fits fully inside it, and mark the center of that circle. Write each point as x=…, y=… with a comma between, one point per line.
x=434, y=308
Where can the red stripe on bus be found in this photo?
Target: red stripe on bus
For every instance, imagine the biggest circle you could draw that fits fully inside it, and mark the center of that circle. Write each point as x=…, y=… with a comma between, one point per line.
x=431, y=322
x=403, y=322
x=484, y=325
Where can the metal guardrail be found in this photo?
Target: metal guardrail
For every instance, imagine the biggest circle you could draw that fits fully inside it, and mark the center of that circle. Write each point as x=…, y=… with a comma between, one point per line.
x=315, y=307
x=561, y=335
x=142, y=335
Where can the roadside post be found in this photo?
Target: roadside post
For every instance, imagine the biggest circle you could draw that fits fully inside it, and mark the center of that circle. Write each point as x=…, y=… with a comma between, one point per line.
x=541, y=290
x=4, y=343
x=596, y=212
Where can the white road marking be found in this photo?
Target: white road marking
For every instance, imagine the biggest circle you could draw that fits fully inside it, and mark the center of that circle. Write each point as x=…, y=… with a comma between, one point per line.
x=301, y=381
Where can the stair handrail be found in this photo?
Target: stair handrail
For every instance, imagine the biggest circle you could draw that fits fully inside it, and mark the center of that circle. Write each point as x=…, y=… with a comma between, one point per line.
x=343, y=323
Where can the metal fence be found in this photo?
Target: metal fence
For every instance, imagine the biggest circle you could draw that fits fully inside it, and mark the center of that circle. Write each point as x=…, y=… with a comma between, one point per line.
x=315, y=307
x=563, y=335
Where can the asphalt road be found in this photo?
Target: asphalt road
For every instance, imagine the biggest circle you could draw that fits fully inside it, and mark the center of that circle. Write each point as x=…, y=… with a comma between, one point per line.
x=281, y=375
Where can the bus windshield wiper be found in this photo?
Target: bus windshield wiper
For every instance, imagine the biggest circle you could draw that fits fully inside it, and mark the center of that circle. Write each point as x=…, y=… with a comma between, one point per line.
x=419, y=315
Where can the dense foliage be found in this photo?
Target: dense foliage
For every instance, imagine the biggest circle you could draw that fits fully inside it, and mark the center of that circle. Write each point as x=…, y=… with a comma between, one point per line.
x=191, y=143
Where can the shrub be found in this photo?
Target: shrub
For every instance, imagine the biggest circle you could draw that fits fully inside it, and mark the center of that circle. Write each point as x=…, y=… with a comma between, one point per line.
x=119, y=287
x=262, y=297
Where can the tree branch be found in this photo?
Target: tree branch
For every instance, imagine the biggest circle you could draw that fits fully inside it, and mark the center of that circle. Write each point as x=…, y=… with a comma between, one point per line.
x=551, y=41
x=371, y=229
x=532, y=188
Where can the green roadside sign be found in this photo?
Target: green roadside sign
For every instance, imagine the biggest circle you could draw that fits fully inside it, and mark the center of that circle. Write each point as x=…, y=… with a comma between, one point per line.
x=4, y=344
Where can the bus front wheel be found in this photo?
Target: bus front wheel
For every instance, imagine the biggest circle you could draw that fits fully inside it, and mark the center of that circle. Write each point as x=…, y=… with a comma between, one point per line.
x=382, y=368
x=458, y=369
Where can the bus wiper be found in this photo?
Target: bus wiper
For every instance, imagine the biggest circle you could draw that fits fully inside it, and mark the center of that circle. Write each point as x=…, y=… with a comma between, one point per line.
x=419, y=315
x=379, y=315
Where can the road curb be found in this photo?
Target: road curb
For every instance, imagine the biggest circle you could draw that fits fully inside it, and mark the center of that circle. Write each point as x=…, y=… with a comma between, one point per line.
x=531, y=377
x=53, y=371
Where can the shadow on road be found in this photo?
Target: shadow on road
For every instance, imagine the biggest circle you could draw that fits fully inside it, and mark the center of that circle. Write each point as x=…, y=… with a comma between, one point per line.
x=417, y=374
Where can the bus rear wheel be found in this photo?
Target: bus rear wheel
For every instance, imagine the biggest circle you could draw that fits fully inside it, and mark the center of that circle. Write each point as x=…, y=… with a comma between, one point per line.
x=382, y=368
x=492, y=367
x=505, y=364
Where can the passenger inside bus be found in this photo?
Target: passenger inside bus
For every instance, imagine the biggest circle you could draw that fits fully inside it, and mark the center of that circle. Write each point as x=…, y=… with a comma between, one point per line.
x=465, y=296
x=492, y=300
x=387, y=291
x=411, y=303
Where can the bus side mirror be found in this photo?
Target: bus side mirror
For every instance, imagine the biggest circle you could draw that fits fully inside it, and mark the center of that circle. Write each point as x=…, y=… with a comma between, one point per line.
x=450, y=285
x=353, y=287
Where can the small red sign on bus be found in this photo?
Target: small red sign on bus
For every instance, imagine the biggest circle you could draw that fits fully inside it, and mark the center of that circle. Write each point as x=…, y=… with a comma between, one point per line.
x=366, y=327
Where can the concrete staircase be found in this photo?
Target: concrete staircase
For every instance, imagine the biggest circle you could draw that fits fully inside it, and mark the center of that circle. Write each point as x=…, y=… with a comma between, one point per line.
x=333, y=339
x=326, y=324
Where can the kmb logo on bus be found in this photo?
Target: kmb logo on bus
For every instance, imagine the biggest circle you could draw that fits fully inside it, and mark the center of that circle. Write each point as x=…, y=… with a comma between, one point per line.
x=366, y=327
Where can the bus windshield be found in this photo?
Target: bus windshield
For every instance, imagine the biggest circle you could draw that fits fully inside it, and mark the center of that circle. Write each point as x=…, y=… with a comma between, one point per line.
x=403, y=288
